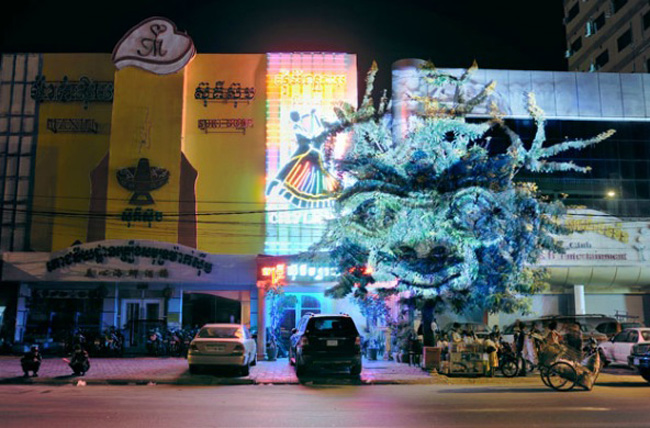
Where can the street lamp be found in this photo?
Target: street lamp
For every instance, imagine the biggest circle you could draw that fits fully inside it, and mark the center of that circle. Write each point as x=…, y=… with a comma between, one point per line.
x=611, y=194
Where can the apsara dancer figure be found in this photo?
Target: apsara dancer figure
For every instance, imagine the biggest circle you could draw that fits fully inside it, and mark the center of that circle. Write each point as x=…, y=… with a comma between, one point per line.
x=304, y=180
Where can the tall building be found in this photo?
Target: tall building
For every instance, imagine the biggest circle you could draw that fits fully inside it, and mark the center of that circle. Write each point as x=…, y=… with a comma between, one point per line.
x=608, y=35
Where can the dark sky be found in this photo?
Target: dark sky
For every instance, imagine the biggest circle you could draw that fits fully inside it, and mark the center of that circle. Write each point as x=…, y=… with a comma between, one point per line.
x=506, y=34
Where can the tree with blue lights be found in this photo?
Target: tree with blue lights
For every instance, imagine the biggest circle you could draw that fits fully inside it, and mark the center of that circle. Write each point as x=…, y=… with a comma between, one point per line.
x=437, y=213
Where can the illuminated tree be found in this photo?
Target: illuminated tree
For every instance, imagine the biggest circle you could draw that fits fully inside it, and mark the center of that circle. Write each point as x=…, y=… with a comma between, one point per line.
x=437, y=212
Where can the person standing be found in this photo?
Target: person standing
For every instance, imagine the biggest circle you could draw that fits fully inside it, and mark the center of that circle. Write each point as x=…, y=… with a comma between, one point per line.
x=31, y=361
x=492, y=348
x=520, y=343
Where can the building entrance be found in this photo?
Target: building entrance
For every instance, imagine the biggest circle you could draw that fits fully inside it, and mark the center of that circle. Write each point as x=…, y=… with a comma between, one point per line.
x=203, y=308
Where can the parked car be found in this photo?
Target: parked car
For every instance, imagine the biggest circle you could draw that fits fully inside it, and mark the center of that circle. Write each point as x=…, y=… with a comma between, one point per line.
x=325, y=341
x=618, y=348
x=223, y=345
x=640, y=358
x=593, y=326
x=630, y=324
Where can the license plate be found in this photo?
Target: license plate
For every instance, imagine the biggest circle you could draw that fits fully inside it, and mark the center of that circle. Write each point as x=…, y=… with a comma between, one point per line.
x=332, y=343
x=217, y=348
x=636, y=361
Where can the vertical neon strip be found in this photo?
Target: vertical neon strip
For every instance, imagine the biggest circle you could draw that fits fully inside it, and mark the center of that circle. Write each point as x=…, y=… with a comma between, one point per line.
x=302, y=82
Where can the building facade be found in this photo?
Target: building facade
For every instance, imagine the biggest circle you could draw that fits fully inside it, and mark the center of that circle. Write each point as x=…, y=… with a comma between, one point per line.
x=608, y=35
x=140, y=189
x=141, y=186
x=607, y=261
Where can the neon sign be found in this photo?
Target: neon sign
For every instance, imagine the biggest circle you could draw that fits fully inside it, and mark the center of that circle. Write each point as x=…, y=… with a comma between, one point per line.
x=301, y=183
x=298, y=272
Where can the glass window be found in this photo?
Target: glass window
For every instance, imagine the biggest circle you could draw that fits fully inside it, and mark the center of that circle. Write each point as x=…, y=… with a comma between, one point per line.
x=646, y=21
x=645, y=334
x=625, y=40
x=602, y=59
x=327, y=326
x=573, y=12
x=576, y=45
x=618, y=4
x=633, y=337
x=220, y=333
x=599, y=22
x=621, y=337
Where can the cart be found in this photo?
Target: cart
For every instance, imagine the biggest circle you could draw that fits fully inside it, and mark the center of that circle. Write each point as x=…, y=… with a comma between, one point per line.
x=469, y=359
x=563, y=368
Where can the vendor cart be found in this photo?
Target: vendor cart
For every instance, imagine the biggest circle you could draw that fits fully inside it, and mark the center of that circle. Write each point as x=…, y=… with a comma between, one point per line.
x=469, y=359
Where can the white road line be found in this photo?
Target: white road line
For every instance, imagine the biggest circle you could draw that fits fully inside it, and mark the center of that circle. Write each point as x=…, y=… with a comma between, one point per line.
x=536, y=409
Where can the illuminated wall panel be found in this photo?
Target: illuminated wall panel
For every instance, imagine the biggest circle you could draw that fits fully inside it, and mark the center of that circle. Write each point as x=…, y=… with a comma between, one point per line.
x=302, y=89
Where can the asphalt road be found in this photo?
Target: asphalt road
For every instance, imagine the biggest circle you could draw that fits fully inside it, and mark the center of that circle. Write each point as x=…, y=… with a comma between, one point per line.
x=612, y=405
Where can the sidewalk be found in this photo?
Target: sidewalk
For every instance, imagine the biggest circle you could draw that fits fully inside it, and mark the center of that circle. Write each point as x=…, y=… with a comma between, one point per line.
x=152, y=370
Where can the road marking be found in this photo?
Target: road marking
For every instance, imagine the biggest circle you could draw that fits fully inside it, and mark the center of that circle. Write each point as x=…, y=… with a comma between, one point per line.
x=538, y=409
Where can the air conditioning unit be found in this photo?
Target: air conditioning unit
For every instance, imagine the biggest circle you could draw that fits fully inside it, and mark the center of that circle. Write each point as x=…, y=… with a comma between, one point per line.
x=590, y=29
x=592, y=67
x=568, y=53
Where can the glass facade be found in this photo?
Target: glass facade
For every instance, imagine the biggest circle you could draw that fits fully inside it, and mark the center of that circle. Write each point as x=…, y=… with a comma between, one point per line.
x=619, y=180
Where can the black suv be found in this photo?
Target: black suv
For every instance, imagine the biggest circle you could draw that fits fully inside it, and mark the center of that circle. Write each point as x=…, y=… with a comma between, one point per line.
x=325, y=341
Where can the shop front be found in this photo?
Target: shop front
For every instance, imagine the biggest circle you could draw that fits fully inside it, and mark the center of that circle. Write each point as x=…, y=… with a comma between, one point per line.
x=134, y=285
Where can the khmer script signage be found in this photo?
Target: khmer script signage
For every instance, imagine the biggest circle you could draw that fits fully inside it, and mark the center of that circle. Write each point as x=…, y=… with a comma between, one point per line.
x=84, y=90
x=234, y=93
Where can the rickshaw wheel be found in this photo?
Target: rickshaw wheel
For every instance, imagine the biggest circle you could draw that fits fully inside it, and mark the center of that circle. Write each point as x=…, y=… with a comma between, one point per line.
x=543, y=373
x=509, y=368
x=560, y=383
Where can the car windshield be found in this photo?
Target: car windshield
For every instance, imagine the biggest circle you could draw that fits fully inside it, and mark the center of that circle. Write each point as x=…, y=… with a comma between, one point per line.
x=332, y=326
x=220, y=333
x=645, y=334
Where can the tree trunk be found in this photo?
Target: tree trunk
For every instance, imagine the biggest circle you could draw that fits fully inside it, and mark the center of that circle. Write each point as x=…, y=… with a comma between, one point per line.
x=427, y=318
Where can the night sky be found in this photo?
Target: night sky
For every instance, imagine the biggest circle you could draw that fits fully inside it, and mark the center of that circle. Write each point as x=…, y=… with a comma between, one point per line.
x=502, y=34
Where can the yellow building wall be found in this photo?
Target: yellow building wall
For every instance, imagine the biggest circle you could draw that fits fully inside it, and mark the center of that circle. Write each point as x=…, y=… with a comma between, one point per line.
x=61, y=194
x=230, y=163
x=147, y=123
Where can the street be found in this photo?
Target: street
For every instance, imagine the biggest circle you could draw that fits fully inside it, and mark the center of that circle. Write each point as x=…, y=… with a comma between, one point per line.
x=608, y=405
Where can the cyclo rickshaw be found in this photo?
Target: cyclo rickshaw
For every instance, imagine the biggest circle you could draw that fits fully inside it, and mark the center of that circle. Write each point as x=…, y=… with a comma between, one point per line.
x=562, y=367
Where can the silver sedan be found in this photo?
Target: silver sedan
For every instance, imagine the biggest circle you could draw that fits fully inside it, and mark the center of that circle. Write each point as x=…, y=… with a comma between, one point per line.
x=223, y=345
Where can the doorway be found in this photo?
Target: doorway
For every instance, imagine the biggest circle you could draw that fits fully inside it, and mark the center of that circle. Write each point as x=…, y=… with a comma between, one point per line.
x=200, y=309
x=139, y=316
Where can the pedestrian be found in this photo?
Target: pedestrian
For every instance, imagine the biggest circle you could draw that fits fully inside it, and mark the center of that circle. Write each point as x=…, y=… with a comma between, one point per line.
x=520, y=343
x=79, y=361
x=492, y=348
x=434, y=329
x=455, y=334
x=497, y=333
x=31, y=361
x=552, y=336
x=573, y=339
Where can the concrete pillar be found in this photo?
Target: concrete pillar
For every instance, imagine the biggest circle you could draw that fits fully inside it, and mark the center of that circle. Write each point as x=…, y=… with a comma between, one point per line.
x=175, y=308
x=22, y=311
x=261, y=323
x=579, y=299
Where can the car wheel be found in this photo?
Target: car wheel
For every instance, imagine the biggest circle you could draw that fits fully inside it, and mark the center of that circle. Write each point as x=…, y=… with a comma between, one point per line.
x=245, y=371
x=604, y=361
x=645, y=374
x=355, y=370
x=301, y=370
x=194, y=369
